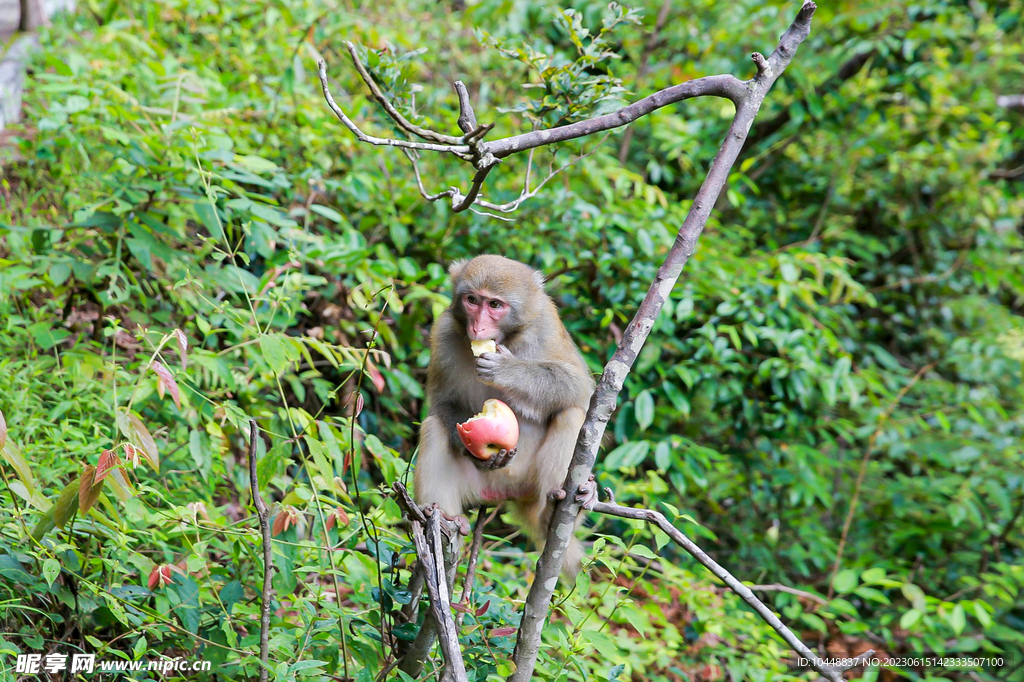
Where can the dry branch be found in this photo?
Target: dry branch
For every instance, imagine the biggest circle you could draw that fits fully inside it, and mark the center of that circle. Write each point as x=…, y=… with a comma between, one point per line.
x=430, y=550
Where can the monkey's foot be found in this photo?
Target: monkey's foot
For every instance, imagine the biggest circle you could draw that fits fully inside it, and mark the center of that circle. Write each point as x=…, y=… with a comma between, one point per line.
x=461, y=521
x=586, y=494
x=502, y=458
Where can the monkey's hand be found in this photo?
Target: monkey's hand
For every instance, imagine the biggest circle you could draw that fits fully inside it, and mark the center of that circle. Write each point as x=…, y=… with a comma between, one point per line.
x=490, y=367
x=502, y=458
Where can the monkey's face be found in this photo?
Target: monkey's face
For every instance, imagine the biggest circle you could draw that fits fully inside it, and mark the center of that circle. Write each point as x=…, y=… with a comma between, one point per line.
x=484, y=315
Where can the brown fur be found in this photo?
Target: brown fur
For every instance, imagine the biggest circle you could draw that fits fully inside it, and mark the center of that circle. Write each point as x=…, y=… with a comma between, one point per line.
x=544, y=380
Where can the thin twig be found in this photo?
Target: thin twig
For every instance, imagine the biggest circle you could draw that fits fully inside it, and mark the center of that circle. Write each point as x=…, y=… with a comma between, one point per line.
x=474, y=189
x=268, y=561
x=458, y=150
x=402, y=122
x=658, y=519
x=414, y=159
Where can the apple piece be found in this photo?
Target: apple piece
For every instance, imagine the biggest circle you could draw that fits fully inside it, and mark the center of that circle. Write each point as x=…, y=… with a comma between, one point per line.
x=494, y=429
x=481, y=346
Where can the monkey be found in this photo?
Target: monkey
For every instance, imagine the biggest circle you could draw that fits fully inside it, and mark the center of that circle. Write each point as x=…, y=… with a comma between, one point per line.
x=536, y=369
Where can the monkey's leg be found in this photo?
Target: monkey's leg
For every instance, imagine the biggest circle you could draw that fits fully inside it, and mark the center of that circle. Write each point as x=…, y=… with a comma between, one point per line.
x=440, y=477
x=550, y=465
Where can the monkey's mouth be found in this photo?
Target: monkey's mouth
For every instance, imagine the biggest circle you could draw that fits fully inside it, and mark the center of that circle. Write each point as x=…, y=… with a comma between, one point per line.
x=481, y=346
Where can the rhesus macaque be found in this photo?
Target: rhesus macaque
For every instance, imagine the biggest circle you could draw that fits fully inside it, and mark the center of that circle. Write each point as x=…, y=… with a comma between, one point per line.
x=536, y=369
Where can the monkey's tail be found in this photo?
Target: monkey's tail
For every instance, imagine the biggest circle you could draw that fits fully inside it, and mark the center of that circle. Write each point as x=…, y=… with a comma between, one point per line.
x=534, y=520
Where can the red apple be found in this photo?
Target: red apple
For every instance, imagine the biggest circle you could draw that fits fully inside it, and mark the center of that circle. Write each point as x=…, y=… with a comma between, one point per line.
x=495, y=428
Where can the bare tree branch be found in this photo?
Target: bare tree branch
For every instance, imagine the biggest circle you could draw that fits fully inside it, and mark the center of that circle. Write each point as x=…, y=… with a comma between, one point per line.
x=416, y=652
x=484, y=155
x=467, y=117
x=790, y=590
x=748, y=97
x=459, y=150
x=268, y=560
x=430, y=549
x=659, y=520
x=474, y=190
x=389, y=108
x=726, y=86
x=414, y=159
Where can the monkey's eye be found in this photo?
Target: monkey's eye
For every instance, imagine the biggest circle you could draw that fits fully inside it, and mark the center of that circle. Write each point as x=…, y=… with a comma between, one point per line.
x=496, y=304
x=471, y=299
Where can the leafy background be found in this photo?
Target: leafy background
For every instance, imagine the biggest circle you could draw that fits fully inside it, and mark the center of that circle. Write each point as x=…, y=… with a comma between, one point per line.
x=188, y=238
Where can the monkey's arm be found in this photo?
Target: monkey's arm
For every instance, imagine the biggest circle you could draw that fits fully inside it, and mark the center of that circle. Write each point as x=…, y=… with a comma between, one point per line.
x=543, y=385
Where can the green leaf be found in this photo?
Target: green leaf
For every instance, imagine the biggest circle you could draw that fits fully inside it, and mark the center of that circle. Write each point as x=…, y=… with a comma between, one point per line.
x=327, y=212
x=958, y=619
x=138, y=435
x=909, y=619
x=644, y=409
x=873, y=575
x=915, y=595
x=66, y=505
x=11, y=454
x=279, y=351
x=845, y=581
x=257, y=164
x=140, y=648
x=51, y=569
x=627, y=455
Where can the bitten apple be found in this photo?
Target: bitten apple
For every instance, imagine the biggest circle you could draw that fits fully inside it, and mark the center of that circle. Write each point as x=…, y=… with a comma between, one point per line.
x=481, y=346
x=494, y=429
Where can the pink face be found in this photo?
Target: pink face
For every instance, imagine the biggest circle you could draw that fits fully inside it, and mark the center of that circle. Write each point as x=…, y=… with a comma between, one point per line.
x=484, y=313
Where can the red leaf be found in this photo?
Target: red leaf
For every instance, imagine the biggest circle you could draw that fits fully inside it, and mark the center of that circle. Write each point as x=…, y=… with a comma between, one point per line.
x=88, y=489
x=167, y=379
x=288, y=517
x=460, y=607
x=375, y=376
x=338, y=516
x=108, y=460
x=182, y=347
x=159, y=577
x=483, y=609
x=500, y=632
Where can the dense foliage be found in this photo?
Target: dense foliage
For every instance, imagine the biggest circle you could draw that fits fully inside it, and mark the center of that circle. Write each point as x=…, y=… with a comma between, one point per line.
x=832, y=401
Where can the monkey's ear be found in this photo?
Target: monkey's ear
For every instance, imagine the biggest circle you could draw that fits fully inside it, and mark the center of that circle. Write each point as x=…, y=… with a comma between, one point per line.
x=456, y=268
x=538, y=277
